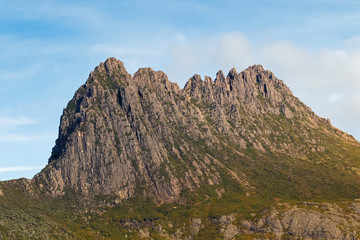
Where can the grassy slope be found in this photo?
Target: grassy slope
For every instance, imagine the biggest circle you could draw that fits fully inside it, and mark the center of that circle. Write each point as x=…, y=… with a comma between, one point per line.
x=328, y=175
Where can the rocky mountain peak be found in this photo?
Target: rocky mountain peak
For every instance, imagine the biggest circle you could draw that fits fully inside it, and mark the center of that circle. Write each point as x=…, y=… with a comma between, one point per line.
x=143, y=136
x=220, y=77
x=137, y=158
x=256, y=68
x=194, y=82
x=233, y=73
x=113, y=65
x=147, y=77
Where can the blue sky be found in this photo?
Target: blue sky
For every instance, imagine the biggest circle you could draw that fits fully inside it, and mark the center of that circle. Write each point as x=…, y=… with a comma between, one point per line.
x=49, y=47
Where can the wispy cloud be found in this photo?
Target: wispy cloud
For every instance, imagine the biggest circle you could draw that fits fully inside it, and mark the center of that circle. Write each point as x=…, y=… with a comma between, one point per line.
x=335, y=97
x=327, y=80
x=76, y=13
x=10, y=133
x=21, y=138
x=19, y=74
x=20, y=169
x=13, y=122
x=209, y=54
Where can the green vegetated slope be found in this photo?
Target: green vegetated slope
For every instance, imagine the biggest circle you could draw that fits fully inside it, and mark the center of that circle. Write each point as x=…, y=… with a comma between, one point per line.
x=139, y=157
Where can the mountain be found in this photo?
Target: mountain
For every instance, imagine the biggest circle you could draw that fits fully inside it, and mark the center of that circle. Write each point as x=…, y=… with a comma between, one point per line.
x=239, y=156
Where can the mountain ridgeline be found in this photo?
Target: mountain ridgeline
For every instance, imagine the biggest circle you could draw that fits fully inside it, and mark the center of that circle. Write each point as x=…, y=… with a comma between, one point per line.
x=143, y=136
x=237, y=157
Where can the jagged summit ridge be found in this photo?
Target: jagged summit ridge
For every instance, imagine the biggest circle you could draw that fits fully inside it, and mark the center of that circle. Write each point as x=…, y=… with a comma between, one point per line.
x=142, y=135
x=234, y=157
x=250, y=85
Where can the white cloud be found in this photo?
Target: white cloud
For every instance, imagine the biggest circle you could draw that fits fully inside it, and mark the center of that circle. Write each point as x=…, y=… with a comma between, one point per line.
x=19, y=74
x=323, y=70
x=19, y=169
x=21, y=138
x=235, y=50
x=13, y=122
x=227, y=50
x=139, y=48
x=334, y=97
x=74, y=13
x=9, y=125
x=327, y=80
x=204, y=55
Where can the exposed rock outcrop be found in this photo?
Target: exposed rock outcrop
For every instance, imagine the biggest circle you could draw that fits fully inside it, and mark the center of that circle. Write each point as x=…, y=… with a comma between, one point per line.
x=142, y=135
x=138, y=157
x=314, y=221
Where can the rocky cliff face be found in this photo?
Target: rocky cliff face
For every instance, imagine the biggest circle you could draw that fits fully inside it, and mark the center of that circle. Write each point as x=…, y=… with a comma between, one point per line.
x=142, y=135
x=237, y=157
